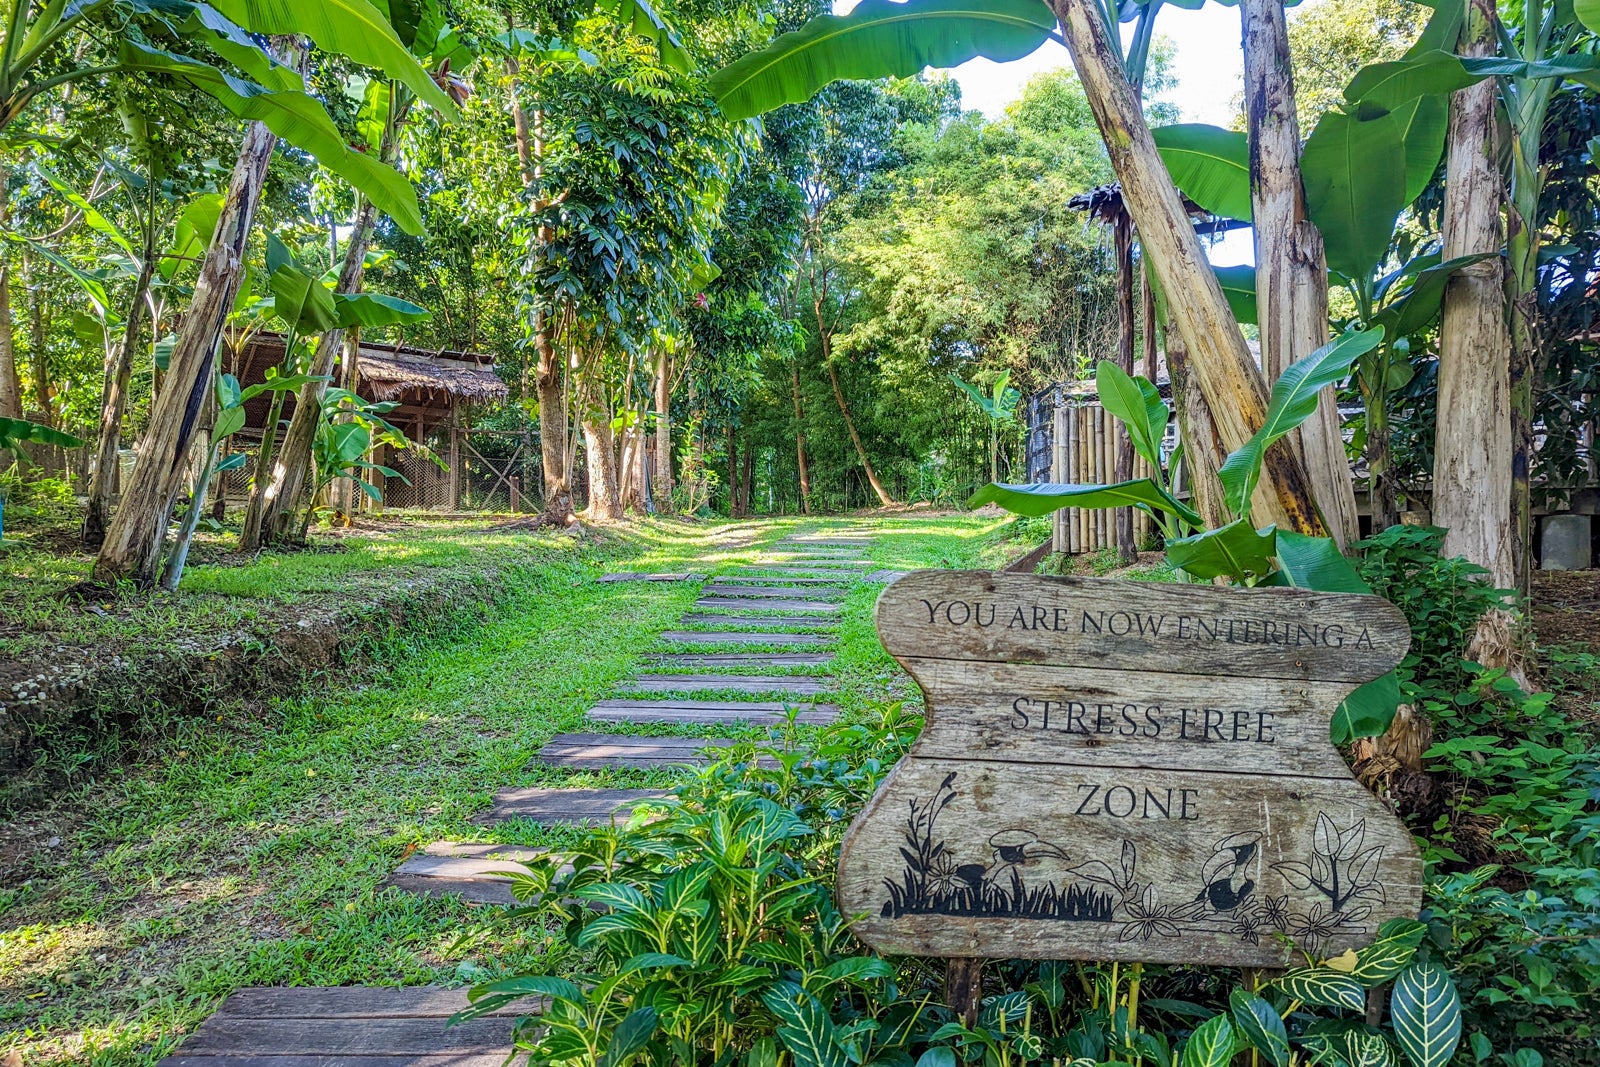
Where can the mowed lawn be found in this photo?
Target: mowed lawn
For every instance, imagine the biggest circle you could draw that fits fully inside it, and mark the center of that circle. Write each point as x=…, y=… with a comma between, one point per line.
x=252, y=855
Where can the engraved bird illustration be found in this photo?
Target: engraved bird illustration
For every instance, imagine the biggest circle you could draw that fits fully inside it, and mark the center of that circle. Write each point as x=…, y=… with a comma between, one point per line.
x=1225, y=877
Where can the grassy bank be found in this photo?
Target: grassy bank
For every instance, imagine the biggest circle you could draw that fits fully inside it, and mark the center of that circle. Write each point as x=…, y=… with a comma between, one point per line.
x=251, y=853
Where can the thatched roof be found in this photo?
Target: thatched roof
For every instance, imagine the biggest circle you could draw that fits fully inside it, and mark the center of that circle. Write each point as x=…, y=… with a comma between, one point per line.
x=388, y=371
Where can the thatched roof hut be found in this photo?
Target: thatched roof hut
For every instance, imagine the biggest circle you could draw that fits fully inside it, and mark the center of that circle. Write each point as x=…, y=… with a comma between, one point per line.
x=433, y=386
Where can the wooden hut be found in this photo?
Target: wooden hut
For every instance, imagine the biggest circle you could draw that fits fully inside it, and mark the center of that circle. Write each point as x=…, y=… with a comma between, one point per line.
x=435, y=388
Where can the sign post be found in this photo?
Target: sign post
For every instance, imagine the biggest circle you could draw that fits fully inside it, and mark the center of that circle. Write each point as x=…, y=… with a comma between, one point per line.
x=1128, y=771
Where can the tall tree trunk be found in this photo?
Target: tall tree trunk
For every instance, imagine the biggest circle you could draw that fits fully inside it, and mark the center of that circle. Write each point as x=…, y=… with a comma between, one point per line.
x=844, y=409
x=734, y=507
x=1291, y=267
x=1472, y=477
x=1224, y=371
x=114, y=403
x=605, y=500
x=255, y=511
x=287, y=485
x=1203, y=453
x=1150, y=353
x=663, y=475
x=800, y=438
x=747, y=483
x=132, y=548
x=1122, y=468
x=10, y=384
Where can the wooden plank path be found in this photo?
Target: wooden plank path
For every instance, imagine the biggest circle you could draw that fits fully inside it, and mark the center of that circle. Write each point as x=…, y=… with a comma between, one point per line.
x=749, y=683
x=690, y=661
x=325, y=1026
x=594, y=752
x=776, y=638
x=639, y=576
x=769, y=592
x=552, y=807
x=813, y=621
x=475, y=872
x=716, y=712
x=815, y=607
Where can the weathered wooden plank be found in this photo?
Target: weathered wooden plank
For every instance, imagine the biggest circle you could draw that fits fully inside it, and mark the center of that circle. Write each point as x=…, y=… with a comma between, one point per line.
x=688, y=661
x=353, y=1002
x=1106, y=863
x=608, y=751
x=554, y=806
x=775, y=638
x=813, y=621
x=495, y=1058
x=1026, y=713
x=886, y=576
x=743, y=578
x=816, y=607
x=753, y=712
x=638, y=576
x=749, y=683
x=772, y=592
x=1197, y=629
x=226, y=1033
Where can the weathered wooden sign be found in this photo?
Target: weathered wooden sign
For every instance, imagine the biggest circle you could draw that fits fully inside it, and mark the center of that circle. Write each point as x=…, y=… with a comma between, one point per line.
x=1128, y=771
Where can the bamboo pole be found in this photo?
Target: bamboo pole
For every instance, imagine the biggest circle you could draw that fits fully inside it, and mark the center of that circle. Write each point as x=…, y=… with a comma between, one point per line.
x=1080, y=474
x=1058, y=473
x=1102, y=469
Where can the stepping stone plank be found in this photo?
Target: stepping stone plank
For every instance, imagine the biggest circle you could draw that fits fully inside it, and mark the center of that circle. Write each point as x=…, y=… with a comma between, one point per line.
x=474, y=872
x=688, y=661
x=594, y=752
x=744, y=579
x=635, y=576
x=689, y=637
x=759, y=592
x=692, y=619
x=566, y=806
x=762, y=604
x=749, y=683
x=754, y=712
x=312, y=1026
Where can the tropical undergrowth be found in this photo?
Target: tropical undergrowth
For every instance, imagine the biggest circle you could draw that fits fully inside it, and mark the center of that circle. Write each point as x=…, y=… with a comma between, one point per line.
x=706, y=932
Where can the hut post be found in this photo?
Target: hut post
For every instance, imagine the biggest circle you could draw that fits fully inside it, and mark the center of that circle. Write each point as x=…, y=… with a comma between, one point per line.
x=1058, y=473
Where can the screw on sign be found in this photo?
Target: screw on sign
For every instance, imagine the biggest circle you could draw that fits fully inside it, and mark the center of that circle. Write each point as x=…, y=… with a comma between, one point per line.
x=1128, y=771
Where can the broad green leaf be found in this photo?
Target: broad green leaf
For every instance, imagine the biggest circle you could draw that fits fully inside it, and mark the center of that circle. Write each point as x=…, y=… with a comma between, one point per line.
x=1427, y=1014
x=1239, y=287
x=1588, y=12
x=1354, y=172
x=1388, y=955
x=1442, y=31
x=1294, y=398
x=91, y=285
x=1316, y=563
x=1136, y=403
x=1259, y=1024
x=232, y=462
x=196, y=225
x=804, y=1027
x=1413, y=308
x=631, y=1035
x=1423, y=123
x=232, y=43
x=1322, y=986
x=294, y=116
x=301, y=301
x=492, y=996
x=1211, y=1044
x=639, y=17
x=229, y=394
x=879, y=39
x=14, y=432
x=286, y=383
x=352, y=28
x=1044, y=498
x=376, y=309
x=1211, y=165
x=90, y=213
x=229, y=421
x=1431, y=73
x=1237, y=551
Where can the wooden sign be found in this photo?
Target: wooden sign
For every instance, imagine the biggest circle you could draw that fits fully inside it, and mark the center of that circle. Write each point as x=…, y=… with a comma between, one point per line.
x=1128, y=771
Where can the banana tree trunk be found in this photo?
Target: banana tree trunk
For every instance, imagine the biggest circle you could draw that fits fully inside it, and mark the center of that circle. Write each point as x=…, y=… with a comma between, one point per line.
x=287, y=484
x=132, y=548
x=113, y=404
x=10, y=383
x=1291, y=267
x=1472, y=477
x=1122, y=466
x=1223, y=370
x=1202, y=452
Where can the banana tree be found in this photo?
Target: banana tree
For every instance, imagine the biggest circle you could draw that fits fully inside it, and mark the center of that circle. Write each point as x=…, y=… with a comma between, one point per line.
x=14, y=433
x=347, y=429
x=1238, y=550
x=1000, y=407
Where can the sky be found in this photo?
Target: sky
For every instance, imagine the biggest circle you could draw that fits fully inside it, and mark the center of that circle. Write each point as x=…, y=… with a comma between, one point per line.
x=1207, y=64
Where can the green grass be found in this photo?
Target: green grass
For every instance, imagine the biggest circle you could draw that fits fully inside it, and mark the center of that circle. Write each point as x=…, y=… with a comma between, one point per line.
x=252, y=855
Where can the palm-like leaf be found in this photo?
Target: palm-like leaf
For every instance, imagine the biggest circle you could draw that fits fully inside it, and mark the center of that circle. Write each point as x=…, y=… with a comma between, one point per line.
x=352, y=28
x=1043, y=498
x=1211, y=165
x=1137, y=404
x=879, y=39
x=1294, y=398
x=1239, y=288
x=1237, y=551
x=1354, y=171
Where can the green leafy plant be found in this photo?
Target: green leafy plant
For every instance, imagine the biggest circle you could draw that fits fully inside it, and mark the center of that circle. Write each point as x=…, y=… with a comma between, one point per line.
x=999, y=406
